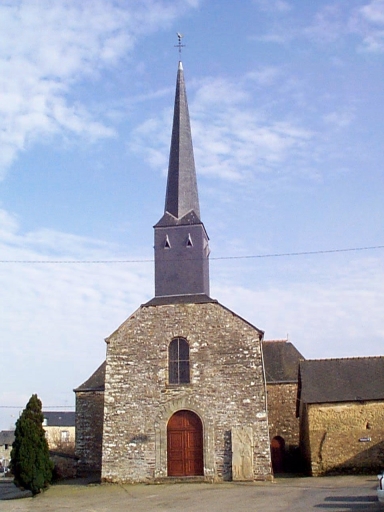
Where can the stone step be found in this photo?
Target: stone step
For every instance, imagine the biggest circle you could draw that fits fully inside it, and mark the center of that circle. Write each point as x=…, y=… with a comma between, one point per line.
x=182, y=480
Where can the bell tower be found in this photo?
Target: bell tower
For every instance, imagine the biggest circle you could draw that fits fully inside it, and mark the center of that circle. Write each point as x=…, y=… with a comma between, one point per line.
x=181, y=242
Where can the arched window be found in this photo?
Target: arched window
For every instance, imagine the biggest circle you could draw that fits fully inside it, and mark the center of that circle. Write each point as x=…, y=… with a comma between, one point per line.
x=178, y=357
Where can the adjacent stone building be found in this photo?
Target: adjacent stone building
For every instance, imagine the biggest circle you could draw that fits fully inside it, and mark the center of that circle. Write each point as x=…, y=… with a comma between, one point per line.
x=341, y=409
x=182, y=392
x=89, y=422
x=281, y=360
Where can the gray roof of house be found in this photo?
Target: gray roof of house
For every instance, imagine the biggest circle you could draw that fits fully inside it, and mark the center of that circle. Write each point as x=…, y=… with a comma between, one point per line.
x=96, y=381
x=181, y=199
x=341, y=380
x=59, y=418
x=281, y=361
x=7, y=437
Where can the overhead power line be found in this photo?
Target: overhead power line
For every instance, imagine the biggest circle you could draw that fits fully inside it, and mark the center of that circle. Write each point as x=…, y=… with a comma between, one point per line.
x=253, y=256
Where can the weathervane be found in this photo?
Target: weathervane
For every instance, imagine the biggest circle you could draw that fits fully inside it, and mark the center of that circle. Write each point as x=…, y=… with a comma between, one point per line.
x=179, y=46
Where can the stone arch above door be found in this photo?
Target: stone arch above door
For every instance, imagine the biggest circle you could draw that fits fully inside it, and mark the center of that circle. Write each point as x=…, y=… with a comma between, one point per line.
x=166, y=411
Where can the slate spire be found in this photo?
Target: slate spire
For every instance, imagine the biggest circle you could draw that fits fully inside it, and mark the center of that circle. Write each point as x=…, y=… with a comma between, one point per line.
x=181, y=196
x=181, y=242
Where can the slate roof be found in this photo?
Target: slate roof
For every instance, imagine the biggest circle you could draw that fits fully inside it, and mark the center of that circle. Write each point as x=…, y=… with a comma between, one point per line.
x=341, y=380
x=281, y=361
x=7, y=437
x=96, y=381
x=59, y=418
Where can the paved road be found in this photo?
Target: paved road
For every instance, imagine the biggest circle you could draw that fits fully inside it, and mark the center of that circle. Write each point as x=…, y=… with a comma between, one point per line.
x=336, y=494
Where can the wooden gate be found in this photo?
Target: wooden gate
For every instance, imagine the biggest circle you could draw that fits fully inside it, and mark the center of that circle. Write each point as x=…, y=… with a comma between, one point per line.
x=185, y=444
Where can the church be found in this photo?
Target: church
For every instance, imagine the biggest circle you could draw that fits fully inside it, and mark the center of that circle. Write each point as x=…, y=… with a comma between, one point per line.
x=182, y=392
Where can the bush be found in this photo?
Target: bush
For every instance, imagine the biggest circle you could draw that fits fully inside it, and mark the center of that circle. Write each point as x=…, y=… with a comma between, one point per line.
x=30, y=462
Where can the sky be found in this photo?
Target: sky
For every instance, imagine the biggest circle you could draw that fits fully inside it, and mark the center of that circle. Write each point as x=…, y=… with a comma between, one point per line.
x=286, y=100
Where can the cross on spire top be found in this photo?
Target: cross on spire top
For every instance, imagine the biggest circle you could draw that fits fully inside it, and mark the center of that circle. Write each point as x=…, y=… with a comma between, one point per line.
x=179, y=45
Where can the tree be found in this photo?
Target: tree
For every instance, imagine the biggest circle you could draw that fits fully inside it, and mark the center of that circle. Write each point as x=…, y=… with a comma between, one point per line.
x=30, y=462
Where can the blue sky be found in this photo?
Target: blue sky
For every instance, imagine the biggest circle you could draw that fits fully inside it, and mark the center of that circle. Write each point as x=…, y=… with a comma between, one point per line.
x=286, y=101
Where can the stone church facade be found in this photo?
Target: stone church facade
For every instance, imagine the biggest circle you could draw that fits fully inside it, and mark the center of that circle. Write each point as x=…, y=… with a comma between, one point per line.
x=182, y=392
x=225, y=390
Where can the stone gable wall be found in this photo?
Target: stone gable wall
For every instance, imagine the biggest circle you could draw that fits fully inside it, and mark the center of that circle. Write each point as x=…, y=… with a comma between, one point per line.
x=226, y=390
x=346, y=437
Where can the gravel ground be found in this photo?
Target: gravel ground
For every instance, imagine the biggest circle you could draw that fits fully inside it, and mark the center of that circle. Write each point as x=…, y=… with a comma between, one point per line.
x=343, y=493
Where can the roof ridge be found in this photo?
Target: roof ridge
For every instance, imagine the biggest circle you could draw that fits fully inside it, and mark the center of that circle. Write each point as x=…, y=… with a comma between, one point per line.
x=344, y=358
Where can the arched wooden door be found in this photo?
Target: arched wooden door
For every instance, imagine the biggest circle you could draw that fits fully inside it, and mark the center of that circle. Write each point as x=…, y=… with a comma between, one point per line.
x=277, y=454
x=185, y=444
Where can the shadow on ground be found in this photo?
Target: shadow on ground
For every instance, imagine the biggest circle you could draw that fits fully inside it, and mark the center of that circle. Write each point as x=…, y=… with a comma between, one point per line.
x=350, y=503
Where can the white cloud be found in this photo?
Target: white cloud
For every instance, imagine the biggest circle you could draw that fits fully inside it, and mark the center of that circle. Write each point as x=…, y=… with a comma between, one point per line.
x=328, y=26
x=331, y=309
x=278, y=6
x=56, y=316
x=368, y=23
x=374, y=12
x=340, y=118
x=47, y=47
x=232, y=138
x=265, y=76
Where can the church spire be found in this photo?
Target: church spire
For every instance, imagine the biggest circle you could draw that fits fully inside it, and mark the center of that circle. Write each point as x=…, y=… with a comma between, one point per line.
x=181, y=242
x=181, y=197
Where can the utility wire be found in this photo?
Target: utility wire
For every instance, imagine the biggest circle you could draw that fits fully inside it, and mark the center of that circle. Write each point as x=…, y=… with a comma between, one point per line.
x=254, y=256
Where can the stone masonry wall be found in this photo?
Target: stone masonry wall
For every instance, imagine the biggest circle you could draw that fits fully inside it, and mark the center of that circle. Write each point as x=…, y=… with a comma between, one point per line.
x=89, y=431
x=346, y=437
x=283, y=422
x=282, y=412
x=226, y=390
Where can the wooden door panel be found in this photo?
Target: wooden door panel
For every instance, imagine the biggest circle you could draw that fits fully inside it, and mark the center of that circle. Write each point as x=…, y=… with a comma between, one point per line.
x=185, y=445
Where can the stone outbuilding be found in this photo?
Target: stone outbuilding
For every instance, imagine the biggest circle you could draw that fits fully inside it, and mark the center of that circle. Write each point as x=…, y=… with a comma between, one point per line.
x=341, y=409
x=182, y=392
x=89, y=422
x=281, y=360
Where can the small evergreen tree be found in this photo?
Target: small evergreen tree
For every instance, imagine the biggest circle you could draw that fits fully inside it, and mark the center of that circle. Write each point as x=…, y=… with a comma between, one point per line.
x=30, y=462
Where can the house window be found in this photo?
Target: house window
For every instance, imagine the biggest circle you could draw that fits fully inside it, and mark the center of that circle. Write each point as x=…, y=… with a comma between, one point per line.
x=178, y=356
x=64, y=436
